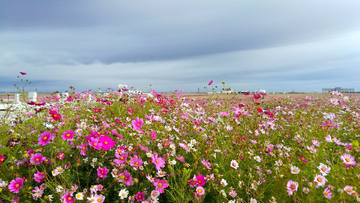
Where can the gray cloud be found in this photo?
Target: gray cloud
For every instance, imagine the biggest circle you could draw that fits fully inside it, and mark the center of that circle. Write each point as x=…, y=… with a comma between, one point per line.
x=174, y=44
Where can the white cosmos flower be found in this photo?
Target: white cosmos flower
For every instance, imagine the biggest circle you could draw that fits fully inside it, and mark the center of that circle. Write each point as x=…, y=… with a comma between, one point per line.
x=234, y=164
x=123, y=193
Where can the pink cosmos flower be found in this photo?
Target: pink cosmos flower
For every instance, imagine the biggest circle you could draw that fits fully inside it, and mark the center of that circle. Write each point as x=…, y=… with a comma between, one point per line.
x=160, y=185
x=126, y=178
x=200, y=190
x=102, y=172
x=136, y=161
x=180, y=158
x=348, y=189
x=68, y=135
x=60, y=156
x=137, y=124
x=45, y=138
x=291, y=186
x=348, y=159
x=83, y=149
x=206, y=163
x=15, y=200
x=158, y=161
x=121, y=158
x=303, y=159
x=94, y=142
x=327, y=193
x=321, y=180
x=140, y=196
x=22, y=73
x=153, y=134
x=106, y=142
x=210, y=82
x=68, y=198
x=36, y=159
x=225, y=114
x=233, y=193
x=39, y=177
x=16, y=185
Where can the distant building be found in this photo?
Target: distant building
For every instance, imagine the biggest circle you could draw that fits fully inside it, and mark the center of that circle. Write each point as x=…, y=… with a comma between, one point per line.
x=338, y=89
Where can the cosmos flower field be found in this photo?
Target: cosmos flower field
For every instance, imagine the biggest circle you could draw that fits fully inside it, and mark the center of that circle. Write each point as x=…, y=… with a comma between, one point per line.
x=121, y=147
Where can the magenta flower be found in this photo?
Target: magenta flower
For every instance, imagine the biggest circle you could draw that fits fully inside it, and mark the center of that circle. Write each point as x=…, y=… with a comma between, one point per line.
x=348, y=159
x=16, y=185
x=68, y=135
x=200, y=180
x=102, y=172
x=136, y=161
x=160, y=185
x=303, y=159
x=140, y=196
x=36, y=159
x=210, y=82
x=137, y=124
x=291, y=186
x=68, y=198
x=22, y=73
x=2, y=158
x=45, y=138
x=153, y=134
x=106, y=142
x=158, y=161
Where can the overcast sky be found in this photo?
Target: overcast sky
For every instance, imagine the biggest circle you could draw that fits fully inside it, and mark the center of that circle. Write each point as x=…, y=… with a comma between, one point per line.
x=274, y=45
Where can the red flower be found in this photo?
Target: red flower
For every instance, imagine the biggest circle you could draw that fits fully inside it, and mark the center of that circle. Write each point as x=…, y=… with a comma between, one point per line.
x=260, y=110
x=22, y=73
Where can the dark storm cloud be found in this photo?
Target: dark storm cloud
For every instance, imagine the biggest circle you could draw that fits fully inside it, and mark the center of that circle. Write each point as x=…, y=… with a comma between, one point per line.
x=180, y=43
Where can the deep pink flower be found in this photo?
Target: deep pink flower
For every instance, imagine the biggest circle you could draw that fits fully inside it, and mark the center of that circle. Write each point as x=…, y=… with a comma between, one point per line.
x=83, y=149
x=68, y=198
x=2, y=158
x=137, y=124
x=161, y=185
x=158, y=161
x=106, y=142
x=200, y=180
x=140, y=196
x=36, y=159
x=153, y=134
x=136, y=161
x=68, y=135
x=45, y=138
x=16, y=185
x=22, y=73
x=210, y=82
x=303, y=159
x=102, y=172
